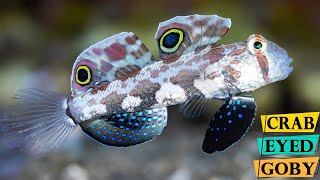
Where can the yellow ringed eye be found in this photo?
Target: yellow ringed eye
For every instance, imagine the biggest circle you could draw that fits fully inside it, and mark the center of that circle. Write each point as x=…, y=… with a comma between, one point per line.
x=170, y=40
x=256, y=44
x=83, y=75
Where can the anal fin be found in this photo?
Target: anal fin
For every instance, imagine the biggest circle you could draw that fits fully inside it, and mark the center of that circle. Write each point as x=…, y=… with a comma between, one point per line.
x=127, y=129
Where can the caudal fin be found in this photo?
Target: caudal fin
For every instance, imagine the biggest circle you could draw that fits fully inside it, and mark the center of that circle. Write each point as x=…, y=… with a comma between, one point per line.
x=38, y=122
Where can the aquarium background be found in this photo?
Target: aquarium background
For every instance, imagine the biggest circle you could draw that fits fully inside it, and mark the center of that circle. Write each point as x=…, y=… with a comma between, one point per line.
x=40, y=39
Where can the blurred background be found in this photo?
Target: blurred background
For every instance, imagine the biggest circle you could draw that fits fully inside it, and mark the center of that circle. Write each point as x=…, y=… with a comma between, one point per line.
x=40, y=39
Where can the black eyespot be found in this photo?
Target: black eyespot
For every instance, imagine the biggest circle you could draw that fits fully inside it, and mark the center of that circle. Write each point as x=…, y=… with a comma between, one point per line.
x=257, y=45
x=171, y=40
x=83, y=75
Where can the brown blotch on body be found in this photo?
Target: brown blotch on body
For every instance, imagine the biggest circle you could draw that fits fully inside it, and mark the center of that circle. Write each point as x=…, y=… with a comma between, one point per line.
x=146, y=90
x=195, y=59
x=155, y=74
x=113, y=101
x=185, y=78
x=128, y=71
x=177, y=64
x=212, y=52
x=216, y=58
x=236, y=52
x=102, y=86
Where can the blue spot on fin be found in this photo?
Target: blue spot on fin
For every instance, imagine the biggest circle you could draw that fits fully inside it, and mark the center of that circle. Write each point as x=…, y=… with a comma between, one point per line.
x=234, y=124
x=128, y=128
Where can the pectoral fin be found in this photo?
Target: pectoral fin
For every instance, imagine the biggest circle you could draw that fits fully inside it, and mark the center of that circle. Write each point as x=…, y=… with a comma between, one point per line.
x=229, y=124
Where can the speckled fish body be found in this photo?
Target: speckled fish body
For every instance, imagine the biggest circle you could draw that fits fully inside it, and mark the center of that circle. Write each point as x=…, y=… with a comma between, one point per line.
x=213, y=72
x=120, y=92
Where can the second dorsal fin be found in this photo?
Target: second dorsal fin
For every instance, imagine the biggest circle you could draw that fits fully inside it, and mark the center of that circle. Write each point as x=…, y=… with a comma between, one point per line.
x=117, y=57
x=184, y=34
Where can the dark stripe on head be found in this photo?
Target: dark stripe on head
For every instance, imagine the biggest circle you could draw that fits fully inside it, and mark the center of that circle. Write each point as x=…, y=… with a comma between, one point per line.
x=264, y=66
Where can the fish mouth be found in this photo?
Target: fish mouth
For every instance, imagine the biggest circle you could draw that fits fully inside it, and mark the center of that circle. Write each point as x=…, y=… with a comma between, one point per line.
x=280, y=66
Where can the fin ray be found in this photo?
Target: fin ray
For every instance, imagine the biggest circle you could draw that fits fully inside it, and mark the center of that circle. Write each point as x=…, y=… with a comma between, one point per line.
x=38, y=122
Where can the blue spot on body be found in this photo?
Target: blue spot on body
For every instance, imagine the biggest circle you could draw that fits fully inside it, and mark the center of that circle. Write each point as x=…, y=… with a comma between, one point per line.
x=140, y=113
x=135, y=138
x=152, y=131
x=145, y=134
x=93, y=127
x=228, y=106
x=148, y=126
x=149, y=111
x=132, y=131
x=99, y=123
x=229, y=113
x=124, y=135
x=234, y=108
x=211, y=129
x=217, y=129
x=153, y=126
x=121, y=119
x=244, y=106
x=149, y=119
x=115, y=127
x=121, y=127
x=230, y=102
x=224, y=129
x=220, y=116
x=136, y=124
x=113, y=138
x=124, y=114
x=99, y=132
x=127, y=129
x=155, y=117
x=117, y=133
x=134, y=117
x=105, y=128
x=118, y=115
x=120, y=140
x=104, y=137
x=110, y=132
x=230, y=121
x=240, y=116
x=238, y=102
x=111, y=122
x=217, y=139
x=143, y=119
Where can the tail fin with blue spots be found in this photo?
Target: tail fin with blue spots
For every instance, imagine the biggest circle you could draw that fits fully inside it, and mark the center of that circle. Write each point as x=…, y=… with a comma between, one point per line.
x=229, y=124
x=127, y=129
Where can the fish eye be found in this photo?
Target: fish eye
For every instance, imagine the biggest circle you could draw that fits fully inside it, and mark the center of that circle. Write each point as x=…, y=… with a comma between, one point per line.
x=83, y=75
x=256, y=44
x=170, y=40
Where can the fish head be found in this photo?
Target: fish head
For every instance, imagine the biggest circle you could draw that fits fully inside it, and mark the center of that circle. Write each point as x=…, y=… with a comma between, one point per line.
x=257, y=62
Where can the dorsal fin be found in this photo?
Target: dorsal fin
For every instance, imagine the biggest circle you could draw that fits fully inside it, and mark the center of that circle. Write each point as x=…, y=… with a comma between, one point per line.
x=184, y=34
x=116, y=57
